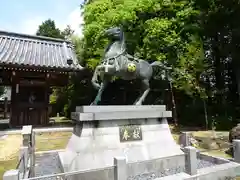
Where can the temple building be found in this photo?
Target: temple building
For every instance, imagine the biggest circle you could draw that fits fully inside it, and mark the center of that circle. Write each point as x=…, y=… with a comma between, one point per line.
x=31, y=65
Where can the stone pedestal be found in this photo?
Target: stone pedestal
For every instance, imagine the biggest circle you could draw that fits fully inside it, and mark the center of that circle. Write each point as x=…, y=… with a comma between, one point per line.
x=141, y=134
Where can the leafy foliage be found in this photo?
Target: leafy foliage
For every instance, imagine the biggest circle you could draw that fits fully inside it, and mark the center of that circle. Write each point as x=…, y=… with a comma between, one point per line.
x=61, y=96
x=155, y=30
x=67, y=32
x=198, y=38
x=49, y=29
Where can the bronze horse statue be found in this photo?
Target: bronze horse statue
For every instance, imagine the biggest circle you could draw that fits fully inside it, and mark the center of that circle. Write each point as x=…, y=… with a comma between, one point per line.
x=117, y=62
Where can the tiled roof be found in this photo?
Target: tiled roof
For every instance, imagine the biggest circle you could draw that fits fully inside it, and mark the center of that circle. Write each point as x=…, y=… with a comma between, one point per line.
x=36, y=51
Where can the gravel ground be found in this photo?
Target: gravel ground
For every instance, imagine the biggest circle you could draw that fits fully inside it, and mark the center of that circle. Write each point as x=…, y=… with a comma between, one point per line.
x=203, y=163
x=49, y=164
x=153, y=175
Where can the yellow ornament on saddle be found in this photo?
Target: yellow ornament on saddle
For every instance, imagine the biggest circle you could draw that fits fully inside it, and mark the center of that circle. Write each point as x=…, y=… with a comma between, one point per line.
x=131, y=67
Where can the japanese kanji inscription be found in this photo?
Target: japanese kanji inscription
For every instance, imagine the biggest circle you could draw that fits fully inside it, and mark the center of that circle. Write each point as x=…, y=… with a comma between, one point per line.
x=130, y=133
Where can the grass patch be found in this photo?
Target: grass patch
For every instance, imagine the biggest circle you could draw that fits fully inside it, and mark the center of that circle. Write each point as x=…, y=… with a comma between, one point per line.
x=217, y=153
x=44, y=142
x=52, y=141
x=219, y=134
x=7, y=165
x=206, y=137
x=9, y=146
x=60, y=121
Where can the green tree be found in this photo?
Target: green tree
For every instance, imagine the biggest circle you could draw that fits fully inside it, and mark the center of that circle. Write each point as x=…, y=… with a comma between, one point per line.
x=67, y=33
x=49, y=29
x=60, y=96
x=220, y=33
x=155, y=30
x=78, y=46
x=167, y=31
x=198, y=38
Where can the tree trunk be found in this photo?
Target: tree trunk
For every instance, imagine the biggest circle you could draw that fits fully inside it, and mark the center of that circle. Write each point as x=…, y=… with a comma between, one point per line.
x=173, y=105
x=5, y=108
x=205, y=114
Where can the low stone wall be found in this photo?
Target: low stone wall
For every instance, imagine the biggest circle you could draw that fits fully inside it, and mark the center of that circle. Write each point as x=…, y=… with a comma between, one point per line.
x=219, y=170
x=124, y=171
x=158, y=167
x=106, y=173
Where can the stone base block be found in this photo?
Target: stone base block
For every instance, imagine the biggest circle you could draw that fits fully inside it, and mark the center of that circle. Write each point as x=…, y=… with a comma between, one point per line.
x=93, y=148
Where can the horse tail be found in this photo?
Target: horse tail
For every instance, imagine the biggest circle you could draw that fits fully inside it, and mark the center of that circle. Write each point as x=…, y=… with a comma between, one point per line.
x=156, y=63
x=161, y=65
x=158, y=69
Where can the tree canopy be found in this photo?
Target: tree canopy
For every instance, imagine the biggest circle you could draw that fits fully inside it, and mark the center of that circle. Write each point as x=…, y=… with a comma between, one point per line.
x=49, y=29
x=60, y=97
x=155, y=30
x=200, y=39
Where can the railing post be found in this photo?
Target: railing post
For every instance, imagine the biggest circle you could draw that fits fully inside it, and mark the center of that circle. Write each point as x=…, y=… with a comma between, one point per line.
x=32, y=155
x=236, y=150
x=190, y=160
x=11, y=175
x=29, y=141
x=23, y=158
x=27, y=135
x=120, y=168
x=184, y=139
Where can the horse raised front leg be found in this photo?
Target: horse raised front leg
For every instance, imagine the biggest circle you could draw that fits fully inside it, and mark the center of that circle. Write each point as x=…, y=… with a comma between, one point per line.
x=146, y=90
x=99, y=94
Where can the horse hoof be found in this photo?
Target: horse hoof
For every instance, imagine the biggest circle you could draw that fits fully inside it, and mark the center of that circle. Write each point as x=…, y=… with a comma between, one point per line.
x=138, y=104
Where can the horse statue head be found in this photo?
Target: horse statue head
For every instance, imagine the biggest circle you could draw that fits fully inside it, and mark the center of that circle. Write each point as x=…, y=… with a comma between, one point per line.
x=114, y=33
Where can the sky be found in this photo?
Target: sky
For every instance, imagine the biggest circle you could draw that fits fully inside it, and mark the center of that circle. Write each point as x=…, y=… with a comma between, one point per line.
x=24, y=16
